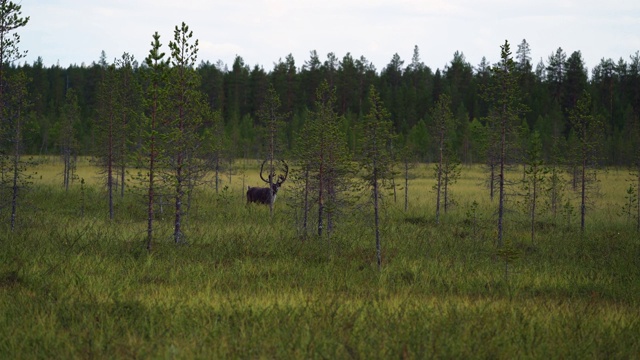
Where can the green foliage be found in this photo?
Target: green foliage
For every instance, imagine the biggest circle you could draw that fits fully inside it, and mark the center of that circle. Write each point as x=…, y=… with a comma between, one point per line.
x=409, y=89
x=447, y=168
x=377, y=134
x=629, y=208
x=535, y=180
x=68, y=141
x=588, y=132
x=505, y=108
x=323, y=178
x=376, y=156
x=11, y=20
x=14, y=178
x=471, y=218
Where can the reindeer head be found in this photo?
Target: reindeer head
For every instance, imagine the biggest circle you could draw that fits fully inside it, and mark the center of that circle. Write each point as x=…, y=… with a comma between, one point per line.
x=266, y=195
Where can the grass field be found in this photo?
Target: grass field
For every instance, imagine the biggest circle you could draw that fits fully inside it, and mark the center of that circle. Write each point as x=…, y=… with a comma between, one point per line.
x=75, y=285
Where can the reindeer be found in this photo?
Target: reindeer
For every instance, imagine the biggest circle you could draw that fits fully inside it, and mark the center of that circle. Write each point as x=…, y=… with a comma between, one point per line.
x=265, y=195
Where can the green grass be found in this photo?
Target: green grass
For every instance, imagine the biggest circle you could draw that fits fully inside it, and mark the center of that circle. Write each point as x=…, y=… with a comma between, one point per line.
x=246, y=286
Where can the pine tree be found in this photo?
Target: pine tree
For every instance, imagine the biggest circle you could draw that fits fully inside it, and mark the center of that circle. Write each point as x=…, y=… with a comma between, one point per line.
x=11, y=118
x=375, y=157
x=443, y=128
x=635, y=165
x=505, y=110
x=129, y=99
x=323, y=162
x=182, y=132
x=10, y=20
x=272, y=121
x=588, y=131
x=106, y=124
x=535, y=178
x=155, y=100
x=17, y=106
x=68, y=141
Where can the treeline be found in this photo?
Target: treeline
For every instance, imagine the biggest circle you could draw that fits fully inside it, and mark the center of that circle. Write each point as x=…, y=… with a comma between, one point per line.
x=409, y=91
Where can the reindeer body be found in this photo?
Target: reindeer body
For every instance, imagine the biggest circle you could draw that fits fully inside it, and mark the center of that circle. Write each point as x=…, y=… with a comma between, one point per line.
x=262, y=195
x=267, y=195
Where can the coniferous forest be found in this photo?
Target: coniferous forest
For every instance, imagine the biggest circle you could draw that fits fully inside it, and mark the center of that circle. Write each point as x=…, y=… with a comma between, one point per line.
x=409, y=89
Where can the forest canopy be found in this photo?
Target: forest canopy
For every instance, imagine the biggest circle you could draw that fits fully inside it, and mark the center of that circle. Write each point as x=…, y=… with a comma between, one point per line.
x=409, y=90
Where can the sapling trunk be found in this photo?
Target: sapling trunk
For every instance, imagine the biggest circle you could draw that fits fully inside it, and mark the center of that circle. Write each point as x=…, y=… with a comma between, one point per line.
x=583, y=190
x=16, y=173
x=406, y=185
x=503, y=146
x=376, y=215
x=305, y=215
x=439, y=184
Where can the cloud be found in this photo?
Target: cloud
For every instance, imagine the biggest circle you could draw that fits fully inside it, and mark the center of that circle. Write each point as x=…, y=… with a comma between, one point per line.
x=262, y=31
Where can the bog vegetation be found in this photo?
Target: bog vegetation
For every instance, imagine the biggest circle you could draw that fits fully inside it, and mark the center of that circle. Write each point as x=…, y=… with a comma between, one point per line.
x=487, y=212
x=245, y=284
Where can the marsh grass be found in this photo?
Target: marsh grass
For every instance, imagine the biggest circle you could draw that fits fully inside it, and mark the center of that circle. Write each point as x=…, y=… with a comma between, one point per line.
x=245, y=286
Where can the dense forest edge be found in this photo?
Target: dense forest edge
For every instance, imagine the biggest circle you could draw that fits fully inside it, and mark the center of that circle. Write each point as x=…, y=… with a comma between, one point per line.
x=549, y=91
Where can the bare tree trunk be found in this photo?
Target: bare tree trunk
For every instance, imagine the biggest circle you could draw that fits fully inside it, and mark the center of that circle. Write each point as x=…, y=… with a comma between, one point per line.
x=406, y=185
x=501, y=184
x=583, y=195
x=177, y=226
x=110, y=160
x=122, y=178
x=305, y=215
x=66, y=159
x=150, y=202
x=492, y=177
x=393, y=184
x=554, y=192
x=638, y=202
x=376, y=215
x=439, y=184
x=332, y=199
x=217, y=171
x=321, y=176
x=533, y=204
x=16, y=173
x=230, y=173
x=446, y=188
x=271, y=174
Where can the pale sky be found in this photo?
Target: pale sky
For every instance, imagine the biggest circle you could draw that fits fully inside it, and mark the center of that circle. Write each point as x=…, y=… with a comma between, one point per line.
x=68, y=32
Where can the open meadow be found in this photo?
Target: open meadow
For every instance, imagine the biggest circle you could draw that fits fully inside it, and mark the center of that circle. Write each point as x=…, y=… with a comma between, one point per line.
x=75, y=285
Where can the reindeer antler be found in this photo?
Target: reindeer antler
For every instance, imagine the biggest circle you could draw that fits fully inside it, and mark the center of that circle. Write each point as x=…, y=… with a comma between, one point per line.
x=261, y=171
x=282, y=178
